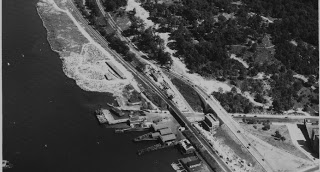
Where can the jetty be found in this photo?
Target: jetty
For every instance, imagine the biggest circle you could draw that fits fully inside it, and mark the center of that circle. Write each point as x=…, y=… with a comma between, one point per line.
x=148, y=136
x=155, y=147
x=122, y=130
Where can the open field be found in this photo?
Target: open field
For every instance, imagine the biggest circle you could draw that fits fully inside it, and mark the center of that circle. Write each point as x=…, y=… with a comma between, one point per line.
x=278, y=159
x=286, y=145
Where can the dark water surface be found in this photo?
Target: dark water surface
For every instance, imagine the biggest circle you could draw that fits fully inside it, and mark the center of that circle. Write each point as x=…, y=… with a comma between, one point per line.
x=47, y=119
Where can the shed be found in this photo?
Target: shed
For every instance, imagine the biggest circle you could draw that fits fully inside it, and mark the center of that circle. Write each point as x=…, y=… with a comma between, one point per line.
x=165, y=131
x=195, y=163
x=155, y=135
x=159, y=127
x=168, y=138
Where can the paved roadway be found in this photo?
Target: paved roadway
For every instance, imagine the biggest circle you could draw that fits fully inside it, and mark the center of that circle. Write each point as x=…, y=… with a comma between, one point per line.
x=276, y=116
x=214, y=104
x=227, y=119
x=143, y=78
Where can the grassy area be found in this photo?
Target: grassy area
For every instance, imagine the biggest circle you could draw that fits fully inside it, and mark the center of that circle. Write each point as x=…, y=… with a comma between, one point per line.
x=189, y=94
x=233, y=143
x=286, y=145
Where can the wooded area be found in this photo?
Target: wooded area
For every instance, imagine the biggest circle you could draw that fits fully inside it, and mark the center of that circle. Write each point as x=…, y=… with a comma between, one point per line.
x=204, y=32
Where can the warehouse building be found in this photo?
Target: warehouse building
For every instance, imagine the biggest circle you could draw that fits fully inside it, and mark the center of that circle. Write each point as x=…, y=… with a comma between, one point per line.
x=168, y=139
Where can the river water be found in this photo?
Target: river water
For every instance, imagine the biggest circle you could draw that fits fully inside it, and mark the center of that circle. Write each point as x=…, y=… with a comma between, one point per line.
x=48, y=124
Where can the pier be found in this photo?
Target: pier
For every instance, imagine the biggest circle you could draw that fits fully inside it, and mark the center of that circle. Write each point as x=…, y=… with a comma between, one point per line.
x=110, y=119
x=148, y=136
x=122, y=130
x=155, y=147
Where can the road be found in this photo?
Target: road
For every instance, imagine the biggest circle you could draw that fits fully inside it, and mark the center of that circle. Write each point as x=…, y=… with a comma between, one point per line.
x=143, y=78
x=227, y=119
x=299, y=117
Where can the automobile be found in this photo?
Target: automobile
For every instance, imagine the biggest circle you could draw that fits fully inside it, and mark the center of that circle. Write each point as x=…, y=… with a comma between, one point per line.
x=238, y=131
x=255, y=116
x=286, y=117
x=249, y=144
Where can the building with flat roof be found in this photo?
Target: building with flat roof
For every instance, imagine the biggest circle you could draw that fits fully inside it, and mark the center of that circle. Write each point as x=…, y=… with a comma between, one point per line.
x=186, y=146
x=155, y=135
x=117, y=111
x=312, y=127
x=165, y=131
x=191, y=163
x=157, y=127
x=210, y=122
x=136, y=120
x=168, y=139
x=315, y=140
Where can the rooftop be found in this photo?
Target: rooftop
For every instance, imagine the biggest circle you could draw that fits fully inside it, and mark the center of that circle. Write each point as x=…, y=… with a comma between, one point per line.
x=159, y=126
x=168, y=137
x=165, y=131
x=189, y=159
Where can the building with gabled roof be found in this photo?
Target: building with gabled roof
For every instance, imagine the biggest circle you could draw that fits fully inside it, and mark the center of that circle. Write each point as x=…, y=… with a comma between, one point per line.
x=168, y=139
x=165, y=131
x=157, y=127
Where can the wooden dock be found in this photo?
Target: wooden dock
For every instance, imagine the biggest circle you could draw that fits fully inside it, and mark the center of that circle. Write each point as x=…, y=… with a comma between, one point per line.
x=110, y=120
x=122, y=130
x=155, y=148
x=144, y=137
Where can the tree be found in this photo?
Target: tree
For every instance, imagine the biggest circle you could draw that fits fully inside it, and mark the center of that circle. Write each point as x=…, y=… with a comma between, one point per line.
x=277, y=134
x=129, y=56
x=233, y=90
x=266, y=127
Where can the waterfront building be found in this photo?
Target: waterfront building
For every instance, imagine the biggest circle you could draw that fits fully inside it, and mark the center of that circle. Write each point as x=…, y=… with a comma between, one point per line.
x=117, y=111
x=155, y=135
x=157, y=127
x=136, y=120
x=191, y=163
x=168, y=139
x=186, y=147
x=165, y=131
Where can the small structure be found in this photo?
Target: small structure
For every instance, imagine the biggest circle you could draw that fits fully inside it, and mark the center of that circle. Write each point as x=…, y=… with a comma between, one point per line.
x=186, y=146
x=155, y=135
x=315, y=140
x=156, y=76
x=159, y=126
x=115, y=69
x=117, y=111
x=312, y=127
x=191, y=163
x=136, y=120
x=210, y=122
x=165, y=85
x=165, y=131
x=170, y=93
x=168, y=139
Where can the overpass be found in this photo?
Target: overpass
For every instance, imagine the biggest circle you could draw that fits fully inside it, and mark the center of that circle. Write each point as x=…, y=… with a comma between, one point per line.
x=213, y=105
